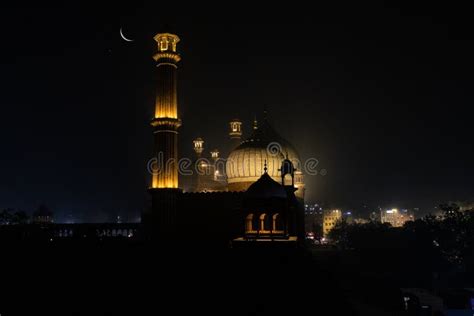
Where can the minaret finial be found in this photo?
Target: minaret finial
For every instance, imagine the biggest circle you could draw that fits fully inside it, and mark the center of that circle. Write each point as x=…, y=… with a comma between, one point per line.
x=198, y=146
x=265, y=112
x=265, y=166
x=235, y=128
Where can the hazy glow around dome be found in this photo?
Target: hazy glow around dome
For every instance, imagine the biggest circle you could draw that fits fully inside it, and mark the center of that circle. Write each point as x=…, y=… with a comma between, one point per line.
x=245, y=163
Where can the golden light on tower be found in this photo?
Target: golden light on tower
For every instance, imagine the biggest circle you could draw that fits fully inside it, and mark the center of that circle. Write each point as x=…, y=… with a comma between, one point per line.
x=166, y=105
x=166, y=121
x=161, y=218
x=215, y=154
x=198, y=146
x=235, y=128
x=235, y=133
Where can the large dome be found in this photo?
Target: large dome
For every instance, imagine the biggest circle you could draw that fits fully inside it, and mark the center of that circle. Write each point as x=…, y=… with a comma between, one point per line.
x=245, y=164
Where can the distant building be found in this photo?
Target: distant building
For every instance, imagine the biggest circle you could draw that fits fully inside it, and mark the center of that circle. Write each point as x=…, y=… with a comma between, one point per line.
x=374, y=216
x=360, y=220
x=42, y=216
x=313, y=218
x=465, y=206
x=330, y=219
x=395, y=217
x=348, y=217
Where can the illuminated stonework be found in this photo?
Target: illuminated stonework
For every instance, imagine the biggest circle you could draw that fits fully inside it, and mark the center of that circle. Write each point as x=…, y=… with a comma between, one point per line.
x=166, y=122
x=235, y=133
x=235, y=129
x=245, y=163
x=208, y=208
x=198, y=146
x=395, y=217
x=215, y=154
x=167, y=58
x=166, y=42
x=176, y=58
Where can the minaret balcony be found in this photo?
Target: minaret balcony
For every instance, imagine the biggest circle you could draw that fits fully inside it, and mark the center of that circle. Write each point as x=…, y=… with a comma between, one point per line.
x=165, y=123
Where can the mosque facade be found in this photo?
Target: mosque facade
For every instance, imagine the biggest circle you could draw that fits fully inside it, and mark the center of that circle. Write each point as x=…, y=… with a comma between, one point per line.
x=255, y=192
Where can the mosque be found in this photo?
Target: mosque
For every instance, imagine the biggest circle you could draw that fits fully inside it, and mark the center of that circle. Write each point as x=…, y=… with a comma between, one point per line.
x=244, y=162
x=254, y=193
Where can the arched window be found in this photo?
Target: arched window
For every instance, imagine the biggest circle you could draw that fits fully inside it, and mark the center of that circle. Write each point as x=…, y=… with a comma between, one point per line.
x=277, y=224
x=287, y=180
x=249, y=224
x=164, y=44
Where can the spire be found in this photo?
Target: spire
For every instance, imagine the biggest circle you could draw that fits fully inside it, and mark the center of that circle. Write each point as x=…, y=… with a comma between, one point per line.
x=255, y=122
x=265, y=166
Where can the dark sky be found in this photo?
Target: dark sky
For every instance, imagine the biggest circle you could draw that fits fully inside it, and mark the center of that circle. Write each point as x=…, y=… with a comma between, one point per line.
x=380, y=95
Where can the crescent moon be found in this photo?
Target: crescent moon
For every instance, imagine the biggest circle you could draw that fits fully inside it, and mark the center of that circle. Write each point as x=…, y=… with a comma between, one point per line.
x=123, y=36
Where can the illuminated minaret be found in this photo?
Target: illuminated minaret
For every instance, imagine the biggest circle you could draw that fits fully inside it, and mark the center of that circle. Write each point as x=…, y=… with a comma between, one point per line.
x=215, y=158
x=166, y=121
x=215, y=155
x=164, y=185
x=235, y=133
x=198, y=146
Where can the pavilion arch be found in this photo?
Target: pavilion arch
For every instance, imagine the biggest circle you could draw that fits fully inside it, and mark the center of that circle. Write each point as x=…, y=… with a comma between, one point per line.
x=277, y=226
x=261, y=223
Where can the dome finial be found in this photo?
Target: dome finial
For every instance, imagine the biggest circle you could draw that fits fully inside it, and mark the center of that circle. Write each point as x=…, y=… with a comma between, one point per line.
x=265, y=166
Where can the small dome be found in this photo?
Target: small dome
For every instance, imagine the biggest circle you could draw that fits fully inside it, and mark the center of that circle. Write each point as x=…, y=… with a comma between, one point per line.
x=265, y=188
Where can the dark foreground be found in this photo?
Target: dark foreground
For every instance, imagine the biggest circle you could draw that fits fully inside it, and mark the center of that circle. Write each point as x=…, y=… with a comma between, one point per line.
x=95, y=278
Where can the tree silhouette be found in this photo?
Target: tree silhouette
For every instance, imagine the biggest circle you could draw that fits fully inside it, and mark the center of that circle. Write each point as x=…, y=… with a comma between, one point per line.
x=6, y=217
x=20, y=217
x=10, y=217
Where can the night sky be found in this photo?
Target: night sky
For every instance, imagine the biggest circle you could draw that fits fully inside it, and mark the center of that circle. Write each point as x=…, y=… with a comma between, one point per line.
x=380, y=95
